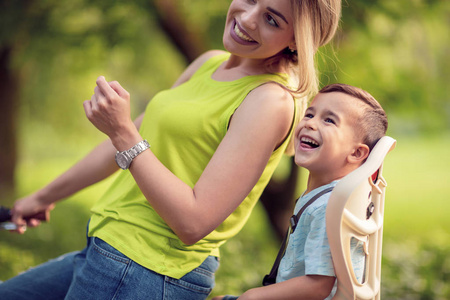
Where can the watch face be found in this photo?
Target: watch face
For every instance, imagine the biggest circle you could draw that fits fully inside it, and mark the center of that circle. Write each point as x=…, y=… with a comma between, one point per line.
x=122, y=161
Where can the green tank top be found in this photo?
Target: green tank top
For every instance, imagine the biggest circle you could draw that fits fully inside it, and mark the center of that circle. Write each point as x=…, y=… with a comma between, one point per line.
x=184, y=126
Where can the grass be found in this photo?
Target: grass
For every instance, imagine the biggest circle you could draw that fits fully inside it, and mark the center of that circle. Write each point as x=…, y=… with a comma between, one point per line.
x=415, y=234
x=417, y=172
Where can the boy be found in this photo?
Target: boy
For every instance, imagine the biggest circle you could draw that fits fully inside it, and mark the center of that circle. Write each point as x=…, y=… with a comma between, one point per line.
x=334, y=138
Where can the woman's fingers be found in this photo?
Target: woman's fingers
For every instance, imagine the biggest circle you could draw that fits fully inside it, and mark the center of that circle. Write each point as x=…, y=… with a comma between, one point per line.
x=119, y=90
x=33, y=222
x=94, y=102
x=109, y=108
x=98, y=100
x=105, y=89
x=87, y=105
x=19, y=221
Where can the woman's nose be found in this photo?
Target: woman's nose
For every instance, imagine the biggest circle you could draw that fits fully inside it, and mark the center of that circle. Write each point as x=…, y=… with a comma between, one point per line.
x=249, y=18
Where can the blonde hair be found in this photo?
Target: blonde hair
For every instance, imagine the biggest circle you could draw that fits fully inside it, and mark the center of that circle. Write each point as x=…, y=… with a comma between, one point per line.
x=315, y=24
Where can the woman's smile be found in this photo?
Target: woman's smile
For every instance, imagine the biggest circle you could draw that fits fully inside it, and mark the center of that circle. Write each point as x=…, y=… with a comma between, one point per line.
x=240, y=35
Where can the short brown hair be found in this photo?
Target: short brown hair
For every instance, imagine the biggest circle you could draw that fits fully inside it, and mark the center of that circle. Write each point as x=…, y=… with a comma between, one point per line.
x=373, y=123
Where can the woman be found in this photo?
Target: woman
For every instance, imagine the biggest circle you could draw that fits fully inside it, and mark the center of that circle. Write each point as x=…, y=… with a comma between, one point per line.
x=196, y=161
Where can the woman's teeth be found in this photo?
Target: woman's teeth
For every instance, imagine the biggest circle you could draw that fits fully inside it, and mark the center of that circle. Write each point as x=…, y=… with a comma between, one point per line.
x=242, y=35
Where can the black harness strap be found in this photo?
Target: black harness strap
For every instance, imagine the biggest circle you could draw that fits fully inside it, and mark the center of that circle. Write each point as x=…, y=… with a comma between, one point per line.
x=271, y=277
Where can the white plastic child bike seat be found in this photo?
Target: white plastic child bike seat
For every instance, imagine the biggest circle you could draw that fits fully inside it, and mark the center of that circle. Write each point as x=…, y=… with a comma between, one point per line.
x=355, y=211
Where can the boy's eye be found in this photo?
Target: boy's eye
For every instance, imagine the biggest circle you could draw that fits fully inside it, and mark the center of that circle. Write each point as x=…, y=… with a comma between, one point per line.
x=309, y=115
x=328, y=120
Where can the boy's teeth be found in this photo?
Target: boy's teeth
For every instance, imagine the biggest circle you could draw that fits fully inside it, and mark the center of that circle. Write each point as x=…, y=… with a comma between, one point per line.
x=309, y=141
x=241, y=35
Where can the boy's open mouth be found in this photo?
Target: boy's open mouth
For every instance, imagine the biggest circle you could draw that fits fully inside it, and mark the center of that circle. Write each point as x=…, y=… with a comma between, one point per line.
x=308, y=142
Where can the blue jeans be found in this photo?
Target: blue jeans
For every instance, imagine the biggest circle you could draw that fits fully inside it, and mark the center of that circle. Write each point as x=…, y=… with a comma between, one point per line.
x=101, y=272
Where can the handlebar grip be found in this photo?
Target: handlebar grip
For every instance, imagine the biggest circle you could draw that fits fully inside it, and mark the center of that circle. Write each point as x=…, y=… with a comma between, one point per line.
x=5, y=215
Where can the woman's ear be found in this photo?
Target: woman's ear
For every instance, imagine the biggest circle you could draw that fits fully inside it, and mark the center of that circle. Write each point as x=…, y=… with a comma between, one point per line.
x=359, y=154
x=293, y=46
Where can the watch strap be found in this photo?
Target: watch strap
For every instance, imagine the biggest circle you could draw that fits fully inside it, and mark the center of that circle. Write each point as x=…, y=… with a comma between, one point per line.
x=138, y=149
x=124, y=158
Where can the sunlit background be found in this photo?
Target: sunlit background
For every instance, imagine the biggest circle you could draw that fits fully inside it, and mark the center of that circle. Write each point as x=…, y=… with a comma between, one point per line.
x=52, y=52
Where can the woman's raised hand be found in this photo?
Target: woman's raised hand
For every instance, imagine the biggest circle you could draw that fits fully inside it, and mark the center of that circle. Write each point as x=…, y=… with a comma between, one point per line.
x=109, y=111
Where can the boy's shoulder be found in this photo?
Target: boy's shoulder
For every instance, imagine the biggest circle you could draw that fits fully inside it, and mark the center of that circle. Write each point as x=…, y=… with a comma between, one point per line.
x=319, y=205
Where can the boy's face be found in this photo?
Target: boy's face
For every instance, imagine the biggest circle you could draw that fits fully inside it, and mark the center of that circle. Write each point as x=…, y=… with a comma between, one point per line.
x=326, y=135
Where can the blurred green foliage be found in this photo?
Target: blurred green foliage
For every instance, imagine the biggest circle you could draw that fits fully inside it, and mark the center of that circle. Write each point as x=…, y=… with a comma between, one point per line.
x=397, y=50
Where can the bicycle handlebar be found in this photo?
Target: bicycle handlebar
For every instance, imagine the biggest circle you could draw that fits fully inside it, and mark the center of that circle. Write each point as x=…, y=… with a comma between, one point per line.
x=5, y=215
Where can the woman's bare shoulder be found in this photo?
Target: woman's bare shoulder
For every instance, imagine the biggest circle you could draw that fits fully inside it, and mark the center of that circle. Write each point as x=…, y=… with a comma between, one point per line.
x=271, y=104
x=272, y=93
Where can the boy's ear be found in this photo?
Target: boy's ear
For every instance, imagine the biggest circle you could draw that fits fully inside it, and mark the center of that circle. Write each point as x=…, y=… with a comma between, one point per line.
x=360, y=153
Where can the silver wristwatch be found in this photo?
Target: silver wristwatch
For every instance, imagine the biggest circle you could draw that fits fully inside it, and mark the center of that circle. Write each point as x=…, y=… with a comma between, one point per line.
x=124, y=158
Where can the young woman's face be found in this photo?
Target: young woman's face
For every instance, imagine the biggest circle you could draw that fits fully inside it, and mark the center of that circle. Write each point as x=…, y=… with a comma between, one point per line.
x=258, y=29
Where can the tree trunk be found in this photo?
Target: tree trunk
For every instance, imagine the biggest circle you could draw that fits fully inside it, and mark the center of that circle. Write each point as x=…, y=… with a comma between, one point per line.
x=278, y=200
x=182, y=34
x=9, y=103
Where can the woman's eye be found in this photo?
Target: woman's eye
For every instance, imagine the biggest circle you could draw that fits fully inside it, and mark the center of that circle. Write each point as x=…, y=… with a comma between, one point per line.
x=271, y=20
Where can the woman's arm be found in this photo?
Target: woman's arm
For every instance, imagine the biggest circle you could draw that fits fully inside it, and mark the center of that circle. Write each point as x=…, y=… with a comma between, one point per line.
x=309, y=287
x=95, y=166
x=260, y=123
